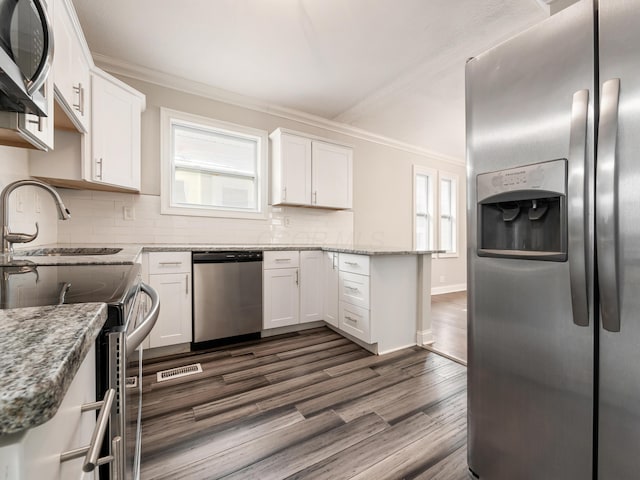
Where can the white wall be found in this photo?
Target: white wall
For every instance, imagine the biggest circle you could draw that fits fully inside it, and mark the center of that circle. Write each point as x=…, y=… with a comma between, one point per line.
x=14, y=165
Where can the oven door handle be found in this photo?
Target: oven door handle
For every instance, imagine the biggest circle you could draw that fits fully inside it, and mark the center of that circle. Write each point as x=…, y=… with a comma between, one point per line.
x=135, y=338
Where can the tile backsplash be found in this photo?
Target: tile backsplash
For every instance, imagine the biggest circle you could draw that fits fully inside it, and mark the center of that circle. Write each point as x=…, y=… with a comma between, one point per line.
x=99, y=217
x=27, y=205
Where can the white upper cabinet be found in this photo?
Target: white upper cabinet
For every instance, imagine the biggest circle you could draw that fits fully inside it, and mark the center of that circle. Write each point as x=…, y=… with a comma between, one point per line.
x=331, y=182
x=72, y=64
x=115, y=125
x=310, y=172
x=97, y=118
x=292, y=161
x=107, y=157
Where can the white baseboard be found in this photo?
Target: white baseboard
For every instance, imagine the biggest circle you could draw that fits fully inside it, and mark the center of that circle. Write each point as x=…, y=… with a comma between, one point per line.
x=459, y=287
x=424, y=337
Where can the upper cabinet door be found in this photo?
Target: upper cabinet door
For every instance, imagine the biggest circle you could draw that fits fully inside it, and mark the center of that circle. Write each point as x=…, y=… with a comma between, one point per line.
x=331, y=175
x=71, y=68
x=115, y=141
x=310, y=172
x=291, y=170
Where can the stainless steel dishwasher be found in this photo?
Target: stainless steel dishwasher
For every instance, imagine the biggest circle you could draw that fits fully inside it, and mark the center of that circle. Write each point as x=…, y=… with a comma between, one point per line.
x=227, y=294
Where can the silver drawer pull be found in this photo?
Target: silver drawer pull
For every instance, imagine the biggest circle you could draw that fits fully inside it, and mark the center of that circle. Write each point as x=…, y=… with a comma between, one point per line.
x=169, y=263
x=283, y=259
x=354, y=320
x=355, y=264
x=92, y=450
x=353, y=289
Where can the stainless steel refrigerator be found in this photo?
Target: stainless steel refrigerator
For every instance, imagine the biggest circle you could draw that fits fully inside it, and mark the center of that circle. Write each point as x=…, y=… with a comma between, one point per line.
x=553, y=152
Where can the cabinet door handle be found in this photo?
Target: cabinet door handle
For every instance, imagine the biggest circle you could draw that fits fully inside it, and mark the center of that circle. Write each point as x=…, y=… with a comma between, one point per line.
x=99, y=164
x=91, y=451
x=186, y=283
x=284, y=193
x=80, y=105
x=334, y=262
x=315, y=197
x=297, y=279
x=37, y=122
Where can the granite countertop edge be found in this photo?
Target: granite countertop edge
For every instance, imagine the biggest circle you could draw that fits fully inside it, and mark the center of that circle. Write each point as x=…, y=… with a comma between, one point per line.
x=130, y=253
x=33, y=394
x=359, y=250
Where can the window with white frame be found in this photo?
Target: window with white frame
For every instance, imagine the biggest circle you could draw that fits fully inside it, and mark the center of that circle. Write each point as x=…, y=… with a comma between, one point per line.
x=423, y=188
x=448, y=213
x=212, y=168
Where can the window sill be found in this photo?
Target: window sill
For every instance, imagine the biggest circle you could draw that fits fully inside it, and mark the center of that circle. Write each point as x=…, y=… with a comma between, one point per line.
x=211, y=213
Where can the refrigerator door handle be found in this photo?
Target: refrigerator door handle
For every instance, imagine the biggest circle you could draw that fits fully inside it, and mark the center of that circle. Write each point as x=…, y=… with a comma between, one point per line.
x=607, y=206
x=577, y=201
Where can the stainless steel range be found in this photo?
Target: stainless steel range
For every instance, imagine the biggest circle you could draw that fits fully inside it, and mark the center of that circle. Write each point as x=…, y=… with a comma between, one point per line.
x=118, y=356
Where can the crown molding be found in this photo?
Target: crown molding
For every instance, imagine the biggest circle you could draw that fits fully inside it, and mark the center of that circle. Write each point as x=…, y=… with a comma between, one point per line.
x=120, y=67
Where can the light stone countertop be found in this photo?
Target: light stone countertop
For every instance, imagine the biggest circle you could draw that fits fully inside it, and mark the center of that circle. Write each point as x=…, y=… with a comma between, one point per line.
x=126, y=256
x=356, y=249
x=41, y=349
x=129, y=253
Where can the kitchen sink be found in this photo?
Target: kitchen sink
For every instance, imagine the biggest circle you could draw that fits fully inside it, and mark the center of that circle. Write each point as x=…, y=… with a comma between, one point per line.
x=67, y=252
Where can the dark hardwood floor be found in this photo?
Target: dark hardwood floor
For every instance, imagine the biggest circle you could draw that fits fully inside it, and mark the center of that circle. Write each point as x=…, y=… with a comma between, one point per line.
x=305, y=405
x=449, y=325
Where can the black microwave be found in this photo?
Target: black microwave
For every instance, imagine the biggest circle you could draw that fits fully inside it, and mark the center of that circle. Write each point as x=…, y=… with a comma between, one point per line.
x=26, y=55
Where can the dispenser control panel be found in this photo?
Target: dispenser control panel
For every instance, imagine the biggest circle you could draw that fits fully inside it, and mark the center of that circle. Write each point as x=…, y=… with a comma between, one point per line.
x=549, y=176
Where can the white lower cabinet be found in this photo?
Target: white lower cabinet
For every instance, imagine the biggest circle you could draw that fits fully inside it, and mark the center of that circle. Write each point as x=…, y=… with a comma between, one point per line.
x=311, y=285
x=281, y=297
x=330, y=288
x=378, y=299
x=170, y=276
x=35, y=454
x=354, y=289
x=355, y=321
x=293, y=285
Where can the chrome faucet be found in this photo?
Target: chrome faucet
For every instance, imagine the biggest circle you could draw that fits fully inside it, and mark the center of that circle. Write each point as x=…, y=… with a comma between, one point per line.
x=8, y=237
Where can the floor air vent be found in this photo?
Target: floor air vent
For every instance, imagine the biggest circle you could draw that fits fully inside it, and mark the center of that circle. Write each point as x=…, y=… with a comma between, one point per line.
x=179, y=372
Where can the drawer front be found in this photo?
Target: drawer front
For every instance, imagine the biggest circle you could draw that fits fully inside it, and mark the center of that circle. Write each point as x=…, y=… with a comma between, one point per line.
x=281, y=259
x=355, y=321
x=354, y=263
x=169, y=262
x=354, y=289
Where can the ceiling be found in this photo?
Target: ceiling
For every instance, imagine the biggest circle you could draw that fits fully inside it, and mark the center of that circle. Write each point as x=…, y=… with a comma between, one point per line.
x=391, y=67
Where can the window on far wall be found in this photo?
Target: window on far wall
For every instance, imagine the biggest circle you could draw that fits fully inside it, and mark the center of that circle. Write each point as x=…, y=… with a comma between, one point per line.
x=448, y=213
x=212, y=168
x=424, y=187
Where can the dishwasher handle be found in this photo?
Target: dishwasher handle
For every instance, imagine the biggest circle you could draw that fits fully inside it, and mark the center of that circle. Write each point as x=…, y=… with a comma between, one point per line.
x=227, y=256
x=135, y=338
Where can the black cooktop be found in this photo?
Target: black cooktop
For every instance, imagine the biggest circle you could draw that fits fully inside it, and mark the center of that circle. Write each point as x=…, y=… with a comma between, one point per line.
x=28, y=285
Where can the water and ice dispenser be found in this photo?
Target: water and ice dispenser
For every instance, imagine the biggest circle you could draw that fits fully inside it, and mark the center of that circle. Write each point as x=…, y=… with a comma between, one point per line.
x=522, y=212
